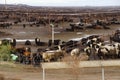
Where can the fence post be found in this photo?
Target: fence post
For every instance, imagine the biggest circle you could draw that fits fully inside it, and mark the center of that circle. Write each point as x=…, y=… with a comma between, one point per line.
x=103, y=74
x=43, y=73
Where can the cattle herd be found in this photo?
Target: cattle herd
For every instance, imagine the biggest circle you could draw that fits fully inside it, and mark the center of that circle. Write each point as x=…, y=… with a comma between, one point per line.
x=93, y=46
x=76, y=21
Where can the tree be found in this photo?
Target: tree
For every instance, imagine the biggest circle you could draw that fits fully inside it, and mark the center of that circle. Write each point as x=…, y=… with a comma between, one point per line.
x=5, y=51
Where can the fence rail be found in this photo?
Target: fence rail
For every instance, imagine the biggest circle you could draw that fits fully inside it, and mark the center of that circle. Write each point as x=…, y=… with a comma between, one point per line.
x=100, y=63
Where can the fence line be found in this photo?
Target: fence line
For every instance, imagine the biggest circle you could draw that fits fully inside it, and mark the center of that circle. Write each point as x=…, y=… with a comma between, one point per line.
x=59, y=65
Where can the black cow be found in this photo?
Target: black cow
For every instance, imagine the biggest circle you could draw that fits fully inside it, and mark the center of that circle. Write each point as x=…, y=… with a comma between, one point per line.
x=13, y=42
x=116, y=36
x=37, y=58
x=27, y=42
x=37, y=41
x=56, y=42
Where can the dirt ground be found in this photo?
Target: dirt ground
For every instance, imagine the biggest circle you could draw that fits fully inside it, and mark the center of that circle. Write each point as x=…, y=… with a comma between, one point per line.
x=44, y=33
x=26, y=72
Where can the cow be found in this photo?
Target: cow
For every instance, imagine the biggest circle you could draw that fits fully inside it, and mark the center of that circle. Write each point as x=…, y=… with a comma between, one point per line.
x=116, y=36
x=27, y=42
x=36, y=59
x=53, y=55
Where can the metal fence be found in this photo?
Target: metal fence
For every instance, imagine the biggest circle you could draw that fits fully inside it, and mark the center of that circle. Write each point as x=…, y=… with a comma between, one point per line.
x=87, y=70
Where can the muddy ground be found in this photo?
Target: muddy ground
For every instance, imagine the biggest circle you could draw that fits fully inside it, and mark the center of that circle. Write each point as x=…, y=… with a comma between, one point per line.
x=26, y=72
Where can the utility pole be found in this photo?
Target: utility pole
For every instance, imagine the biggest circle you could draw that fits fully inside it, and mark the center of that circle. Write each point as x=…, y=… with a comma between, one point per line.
x=52, y=26
x=5, y=5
